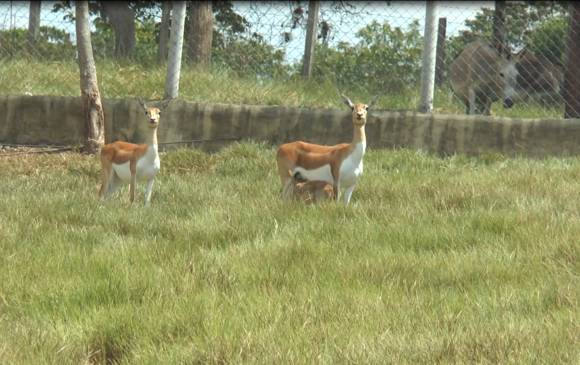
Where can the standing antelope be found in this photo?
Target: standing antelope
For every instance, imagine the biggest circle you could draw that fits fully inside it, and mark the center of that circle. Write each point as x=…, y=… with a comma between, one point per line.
x=340, y=165
x=124, y=162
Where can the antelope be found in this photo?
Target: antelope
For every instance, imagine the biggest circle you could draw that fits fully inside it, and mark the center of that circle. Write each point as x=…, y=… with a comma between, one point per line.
x=124, y=162
x=308, y=191
x=340, y=165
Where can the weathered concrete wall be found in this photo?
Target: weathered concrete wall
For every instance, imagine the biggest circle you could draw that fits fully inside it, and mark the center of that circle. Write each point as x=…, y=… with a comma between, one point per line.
x=58, y=120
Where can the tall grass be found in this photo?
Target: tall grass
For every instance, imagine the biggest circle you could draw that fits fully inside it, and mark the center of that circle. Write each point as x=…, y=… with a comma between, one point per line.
x=221, y=86
x=436, y=260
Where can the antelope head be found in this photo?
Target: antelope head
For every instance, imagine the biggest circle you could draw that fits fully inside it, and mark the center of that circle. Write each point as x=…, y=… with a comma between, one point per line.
x=359, y=110
x=153, y=113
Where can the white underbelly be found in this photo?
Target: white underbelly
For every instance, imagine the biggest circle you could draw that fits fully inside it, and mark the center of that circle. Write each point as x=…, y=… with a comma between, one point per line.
x=145, y=170
x=348, y=173
x=321, y=173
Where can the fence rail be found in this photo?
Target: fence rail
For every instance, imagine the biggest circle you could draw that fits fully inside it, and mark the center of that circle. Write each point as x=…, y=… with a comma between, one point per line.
x=364, y=48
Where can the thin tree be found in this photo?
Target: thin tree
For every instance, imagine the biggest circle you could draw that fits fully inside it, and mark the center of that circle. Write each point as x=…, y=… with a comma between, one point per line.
x=440, y=62
x=90, y=96
x=201, y=32
x=498, y=36
x=310, y=44
x=164, y=32
x=33, y=23
x=175, y=50
x=122, y=18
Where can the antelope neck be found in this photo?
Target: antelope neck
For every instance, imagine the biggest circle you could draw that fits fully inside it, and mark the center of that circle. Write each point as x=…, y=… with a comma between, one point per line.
x=358, y=134
x=151, y=139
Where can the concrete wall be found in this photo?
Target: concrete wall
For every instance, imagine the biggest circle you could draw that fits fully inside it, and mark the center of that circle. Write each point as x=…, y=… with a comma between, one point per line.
x=57, y=120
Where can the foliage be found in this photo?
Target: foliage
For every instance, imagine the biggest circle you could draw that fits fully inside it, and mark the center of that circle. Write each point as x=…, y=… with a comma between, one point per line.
x=144, y=9
x=233, y=47
x=525, y=24
x=382, y=51
x=236, y=49
x=250, y=57
x=103, y=40
x=228, y=23
x=147, y=35
x=549, y=39
x=52, y=44
x=383, y=59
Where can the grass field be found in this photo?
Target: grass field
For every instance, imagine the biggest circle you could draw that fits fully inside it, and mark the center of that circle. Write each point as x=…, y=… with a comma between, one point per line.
x=437, y=260
x=122, y=81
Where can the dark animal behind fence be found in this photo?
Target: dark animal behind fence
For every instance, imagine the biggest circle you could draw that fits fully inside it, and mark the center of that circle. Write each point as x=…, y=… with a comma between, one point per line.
x=480, y=76
x=538, y=76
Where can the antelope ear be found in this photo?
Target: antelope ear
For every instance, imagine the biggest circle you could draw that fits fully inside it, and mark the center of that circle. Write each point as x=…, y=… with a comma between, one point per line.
x=347, y=101
x=370, y=105
x=164, y=104
x=142, y=103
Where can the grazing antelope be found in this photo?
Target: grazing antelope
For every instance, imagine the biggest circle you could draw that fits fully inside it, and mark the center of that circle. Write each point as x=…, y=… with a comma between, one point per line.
x=307, y=191
x=340, y=165
x=124, y=162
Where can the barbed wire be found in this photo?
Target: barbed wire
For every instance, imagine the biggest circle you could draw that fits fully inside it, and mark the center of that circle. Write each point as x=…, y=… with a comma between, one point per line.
x=364, y=47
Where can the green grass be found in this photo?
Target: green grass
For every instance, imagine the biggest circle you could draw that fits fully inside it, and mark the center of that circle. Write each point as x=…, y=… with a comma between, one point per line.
x=220, y=86
x=436, y=260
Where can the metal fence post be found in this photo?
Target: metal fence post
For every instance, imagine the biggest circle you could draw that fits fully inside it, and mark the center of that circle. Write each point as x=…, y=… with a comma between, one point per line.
x=175, y=50
x=572, y=73
x=429, y=58
x=440, y=64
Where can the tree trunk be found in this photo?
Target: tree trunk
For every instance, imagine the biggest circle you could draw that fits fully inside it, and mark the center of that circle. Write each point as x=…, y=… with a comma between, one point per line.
x=498, y=35
x=90, y=96
x=310, y=44
x=122, y=18
x=176, y=49
x=33, y=24
x=164, y=32
x=440, y=62
x=200, y=32
x=572, y=73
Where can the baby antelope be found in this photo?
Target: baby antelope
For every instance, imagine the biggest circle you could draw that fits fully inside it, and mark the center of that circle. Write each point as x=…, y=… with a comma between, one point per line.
x=124, y=162
x=308, y=191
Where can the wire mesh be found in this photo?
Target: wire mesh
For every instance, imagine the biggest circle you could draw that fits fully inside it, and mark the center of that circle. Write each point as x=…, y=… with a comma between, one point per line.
x=363, y=47
x=519, y=63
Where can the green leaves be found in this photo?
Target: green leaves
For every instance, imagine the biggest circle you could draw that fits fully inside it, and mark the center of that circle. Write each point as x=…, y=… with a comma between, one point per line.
x=540, y=26
x=383, y=51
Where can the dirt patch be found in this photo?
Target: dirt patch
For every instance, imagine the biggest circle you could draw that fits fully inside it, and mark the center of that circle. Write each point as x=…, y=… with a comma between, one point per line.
x=36, y=160
x=7, y=150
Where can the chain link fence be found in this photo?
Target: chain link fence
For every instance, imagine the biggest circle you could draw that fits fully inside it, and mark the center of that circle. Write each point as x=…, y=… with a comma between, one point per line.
x=521, y=64
x=362, y=48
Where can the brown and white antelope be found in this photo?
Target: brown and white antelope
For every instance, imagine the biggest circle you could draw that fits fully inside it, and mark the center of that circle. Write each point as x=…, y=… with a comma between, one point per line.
x=310, y=192
x=124, y=162
x=340, y=165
